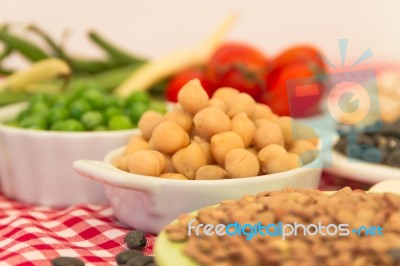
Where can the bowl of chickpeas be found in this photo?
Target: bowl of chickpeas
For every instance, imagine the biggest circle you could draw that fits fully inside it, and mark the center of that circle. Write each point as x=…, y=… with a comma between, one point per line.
x=40, y=139
x=204, y=150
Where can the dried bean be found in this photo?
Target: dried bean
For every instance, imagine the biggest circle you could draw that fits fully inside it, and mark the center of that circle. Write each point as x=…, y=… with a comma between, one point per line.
x=140, y=261
x=67, y=261
x=135, y=239
x=125, y=256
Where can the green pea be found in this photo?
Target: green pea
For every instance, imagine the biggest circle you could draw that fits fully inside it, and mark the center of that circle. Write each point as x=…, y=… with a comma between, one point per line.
x=139, y=96
x=39, y=108
x=111, y=111
x=58, y=114
x=158, y=106
x=23, y=114
x=113, y=101
x=39, y=97
x=92, y=119
x=61, y=101
x=120, y=122
x=79, y=107
x=57, y=126
x=33, y=122
x=77, y=89
x=95, y=98
x=72, y=125
x=136, y=110
x=100, y=128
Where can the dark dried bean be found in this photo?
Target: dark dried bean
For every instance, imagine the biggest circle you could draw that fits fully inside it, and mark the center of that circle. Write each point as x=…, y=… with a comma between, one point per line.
x=389, y=129
x=365, y=140
x=140, y=261
x=372, y=155
x=380, y=141
x=135, y=239
x=126, y=255
x=393, y=143
x=394, y=158
x=67, y=261
x=354, y=151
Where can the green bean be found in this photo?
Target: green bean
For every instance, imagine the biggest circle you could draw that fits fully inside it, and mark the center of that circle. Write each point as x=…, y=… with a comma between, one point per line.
x=9, y=97
x=6, y=72
x=58, y=51
x=26, y=48
x=115, y=53
x=6, y=52
x=92, y=66
x=110, y=79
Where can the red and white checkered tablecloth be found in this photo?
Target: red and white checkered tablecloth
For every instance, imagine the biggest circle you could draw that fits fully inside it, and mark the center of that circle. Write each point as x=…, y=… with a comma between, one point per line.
x=32, y=235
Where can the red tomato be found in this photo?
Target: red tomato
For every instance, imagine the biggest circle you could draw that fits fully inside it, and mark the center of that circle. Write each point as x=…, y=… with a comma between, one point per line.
x=300, y=53
x=180, y=79
x=295, y=90
x=238, y=66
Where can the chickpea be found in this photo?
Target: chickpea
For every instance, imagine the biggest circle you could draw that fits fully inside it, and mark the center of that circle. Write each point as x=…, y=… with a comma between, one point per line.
x=293, y=131
x=192, y=97
x=244, y=127
x=262, y=111
x=136, y=143
x=223, y=143
x=188, y=160
x=211, y=121
x=206, y=148
x=274, y=118
x=211, y=172
x=169, y=168
x=273, y=159
x=174, y=176
x=268, y=133
x=182, y=118
x=225, y=94
x=147, y=123
x=241, y=163
x=169, y=137
x=305, y=149
x=160, y=157
x=294, y=160
x=307, y=133
x=241, y=103
x=217, y=103
x=148, y=162
x=121, y=162
x=261, y=121
x=287, y=126
x=252, y=150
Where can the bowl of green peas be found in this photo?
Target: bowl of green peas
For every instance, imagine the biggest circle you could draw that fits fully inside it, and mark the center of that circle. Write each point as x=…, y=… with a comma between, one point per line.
x=40, y=139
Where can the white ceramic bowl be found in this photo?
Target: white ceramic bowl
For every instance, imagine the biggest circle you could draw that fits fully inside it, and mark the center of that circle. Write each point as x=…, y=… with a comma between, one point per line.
x=149, y=203
x=362, y=171
x=36, y=166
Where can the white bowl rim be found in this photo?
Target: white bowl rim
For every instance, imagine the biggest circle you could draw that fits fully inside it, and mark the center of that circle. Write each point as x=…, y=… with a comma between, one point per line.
x=317, y=163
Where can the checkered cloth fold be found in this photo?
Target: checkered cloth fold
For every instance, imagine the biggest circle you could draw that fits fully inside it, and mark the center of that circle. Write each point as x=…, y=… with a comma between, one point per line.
x=32, y=235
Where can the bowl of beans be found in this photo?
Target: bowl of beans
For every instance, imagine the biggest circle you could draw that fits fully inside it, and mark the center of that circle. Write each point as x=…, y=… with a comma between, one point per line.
x=202, y=151
x=40, y=139
x=368, y=154
x=346, y=227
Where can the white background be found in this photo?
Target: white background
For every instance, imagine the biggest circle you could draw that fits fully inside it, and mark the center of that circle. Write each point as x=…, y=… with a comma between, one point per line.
x=156, y=27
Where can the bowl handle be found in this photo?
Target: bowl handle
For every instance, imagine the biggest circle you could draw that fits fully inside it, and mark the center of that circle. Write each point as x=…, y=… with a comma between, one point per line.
x=106, y=174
